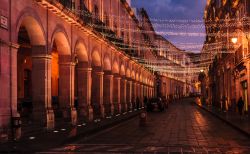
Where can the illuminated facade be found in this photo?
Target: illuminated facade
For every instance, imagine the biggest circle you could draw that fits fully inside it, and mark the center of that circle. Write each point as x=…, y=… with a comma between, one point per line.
x=227, y=42
x=73, y=61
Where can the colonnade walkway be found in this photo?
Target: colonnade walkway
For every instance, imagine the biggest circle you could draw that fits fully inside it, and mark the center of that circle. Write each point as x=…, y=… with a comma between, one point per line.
x=183, y=128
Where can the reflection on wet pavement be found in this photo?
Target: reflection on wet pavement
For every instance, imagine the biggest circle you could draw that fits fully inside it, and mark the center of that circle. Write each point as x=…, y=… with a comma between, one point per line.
x=183, y=128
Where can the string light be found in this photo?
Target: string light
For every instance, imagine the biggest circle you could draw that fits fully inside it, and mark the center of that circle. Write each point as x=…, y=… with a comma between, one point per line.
x=172, y=54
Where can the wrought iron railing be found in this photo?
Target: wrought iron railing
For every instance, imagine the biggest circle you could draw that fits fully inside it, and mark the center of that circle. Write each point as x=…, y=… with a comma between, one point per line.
x=91, y=20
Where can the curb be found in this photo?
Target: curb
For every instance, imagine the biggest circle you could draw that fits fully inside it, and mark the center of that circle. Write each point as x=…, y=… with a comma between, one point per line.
x=226, y=121
x=101, y=127
x=16, y=146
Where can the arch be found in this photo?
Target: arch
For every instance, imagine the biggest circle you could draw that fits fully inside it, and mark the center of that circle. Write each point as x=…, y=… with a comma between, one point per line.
x=140, y=78
x=81, y=51
x=107, y=63
x=122, y=71
x=60, y=38
x=34, y=28
x=133, y=75
x=137, y=77
x=115, y=68
x=96, y=59
x=128, y=73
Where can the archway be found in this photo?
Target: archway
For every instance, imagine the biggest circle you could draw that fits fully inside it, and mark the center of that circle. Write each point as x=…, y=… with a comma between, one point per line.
x=82, y=83
x=62, y=78
x=32, y=103
x=108, y=85
x=97, y=85
x=117, y=87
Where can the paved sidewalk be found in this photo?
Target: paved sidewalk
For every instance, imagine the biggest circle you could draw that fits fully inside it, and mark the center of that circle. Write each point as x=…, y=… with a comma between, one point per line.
x=42, y=140
x=241, y=123
x=183, y=128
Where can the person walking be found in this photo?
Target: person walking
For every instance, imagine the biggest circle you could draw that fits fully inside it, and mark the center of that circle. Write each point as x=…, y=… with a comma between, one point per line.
x=240, y=105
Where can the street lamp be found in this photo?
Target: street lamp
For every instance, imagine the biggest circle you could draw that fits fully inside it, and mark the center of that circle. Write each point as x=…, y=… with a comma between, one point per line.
x=234, y=40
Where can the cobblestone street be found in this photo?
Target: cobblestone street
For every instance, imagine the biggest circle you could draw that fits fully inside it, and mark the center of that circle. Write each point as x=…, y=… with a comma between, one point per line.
x=183, y=128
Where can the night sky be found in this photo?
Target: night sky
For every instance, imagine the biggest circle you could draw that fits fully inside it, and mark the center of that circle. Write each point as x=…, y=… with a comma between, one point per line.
x=177, y=10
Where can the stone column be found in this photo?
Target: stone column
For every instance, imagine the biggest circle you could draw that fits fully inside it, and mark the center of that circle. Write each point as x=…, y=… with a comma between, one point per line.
x=129, y=94
x=108, y=93
x=41, y=83
x=142, y=94
x=85, y=109
x=97, y=94
x=66, y=91
x=147, y=93
x=117, y=94
x=142, y=90
x=13, y=81
x=134, y=93
x=138, y=86
x=124, y=95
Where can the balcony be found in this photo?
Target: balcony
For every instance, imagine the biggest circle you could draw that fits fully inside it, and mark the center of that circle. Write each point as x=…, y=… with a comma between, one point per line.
x=66, y=9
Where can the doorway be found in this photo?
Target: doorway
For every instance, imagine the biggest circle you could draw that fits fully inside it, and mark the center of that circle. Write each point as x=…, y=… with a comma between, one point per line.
x=245, y=95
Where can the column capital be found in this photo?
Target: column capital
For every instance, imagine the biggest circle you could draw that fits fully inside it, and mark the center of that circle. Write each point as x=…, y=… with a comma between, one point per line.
x=67, y=63
x=85, y=69
x=117, y=77
x=109, y=75
x=42, y=56
x=100, y=73
x=124, y=79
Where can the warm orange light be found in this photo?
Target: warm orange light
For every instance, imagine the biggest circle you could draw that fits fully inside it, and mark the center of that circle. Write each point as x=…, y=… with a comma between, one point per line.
x=234, y=40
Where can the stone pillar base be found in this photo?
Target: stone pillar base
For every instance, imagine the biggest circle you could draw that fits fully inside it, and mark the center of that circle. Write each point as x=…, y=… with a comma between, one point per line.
x=82, y=112
x=124, y=107
x=90, y=114
x=45, y=117
x=109, y=109
x=73, y=116
x=70, y=115
x=129, y=106
x=86, y=113
x=102, y=110
x=50, y=124
x=99, y=111
x=16, y=126
x=119, y=108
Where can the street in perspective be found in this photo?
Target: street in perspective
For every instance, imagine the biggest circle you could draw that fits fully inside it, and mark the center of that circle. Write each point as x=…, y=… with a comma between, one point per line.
x=125, y=76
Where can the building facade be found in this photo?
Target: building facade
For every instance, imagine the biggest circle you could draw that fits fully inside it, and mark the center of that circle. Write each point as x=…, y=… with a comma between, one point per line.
x=227, y=42
x=71, y=60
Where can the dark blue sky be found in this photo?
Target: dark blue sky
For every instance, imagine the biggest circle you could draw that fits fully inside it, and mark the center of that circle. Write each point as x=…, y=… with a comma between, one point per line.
x=176, y=10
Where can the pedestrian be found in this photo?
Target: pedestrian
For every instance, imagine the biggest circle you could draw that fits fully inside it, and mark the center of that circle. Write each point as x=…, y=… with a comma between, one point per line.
x=240, y=105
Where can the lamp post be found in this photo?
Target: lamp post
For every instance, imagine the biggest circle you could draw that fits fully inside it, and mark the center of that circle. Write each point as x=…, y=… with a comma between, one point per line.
x=234, y=40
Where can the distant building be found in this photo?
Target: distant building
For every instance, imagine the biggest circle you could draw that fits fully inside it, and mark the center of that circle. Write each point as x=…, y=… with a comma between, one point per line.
x=75, y=60
x=227, y=42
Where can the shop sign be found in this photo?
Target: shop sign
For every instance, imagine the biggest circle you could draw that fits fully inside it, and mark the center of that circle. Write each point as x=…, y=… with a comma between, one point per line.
x=4, y=22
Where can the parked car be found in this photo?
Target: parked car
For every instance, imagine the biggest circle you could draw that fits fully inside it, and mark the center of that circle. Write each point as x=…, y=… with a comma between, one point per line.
x=156, y=104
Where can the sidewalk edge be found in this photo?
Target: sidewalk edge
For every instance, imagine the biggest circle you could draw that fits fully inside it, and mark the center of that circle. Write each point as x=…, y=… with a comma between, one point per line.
x=226, y=121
